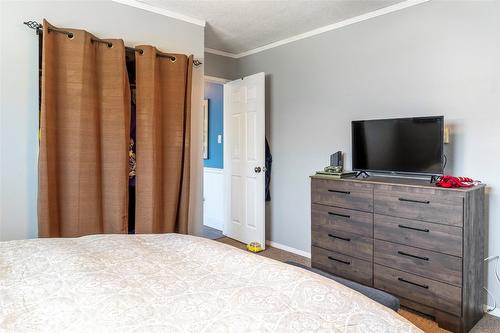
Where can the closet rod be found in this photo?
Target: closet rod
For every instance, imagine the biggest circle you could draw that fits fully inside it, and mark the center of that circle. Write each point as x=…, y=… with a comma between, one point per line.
x=39, y=30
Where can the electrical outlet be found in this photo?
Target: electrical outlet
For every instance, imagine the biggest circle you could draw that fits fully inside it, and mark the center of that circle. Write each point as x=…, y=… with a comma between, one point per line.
x=446, y=135
x=219, y=138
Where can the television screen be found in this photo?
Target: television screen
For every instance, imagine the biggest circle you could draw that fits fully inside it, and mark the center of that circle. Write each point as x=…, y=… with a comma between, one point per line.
x=405, y=145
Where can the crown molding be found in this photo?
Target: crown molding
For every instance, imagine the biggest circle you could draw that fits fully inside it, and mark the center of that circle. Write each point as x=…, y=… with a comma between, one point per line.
x=338, y=25
x=161, y=11
x=221, y=53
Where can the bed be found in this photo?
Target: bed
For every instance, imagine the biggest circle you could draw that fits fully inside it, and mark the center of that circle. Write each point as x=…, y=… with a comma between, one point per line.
x=171, y=283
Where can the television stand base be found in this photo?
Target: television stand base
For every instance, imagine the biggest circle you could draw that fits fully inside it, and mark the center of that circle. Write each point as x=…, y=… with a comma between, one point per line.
x=434, y=179
x=362, y=173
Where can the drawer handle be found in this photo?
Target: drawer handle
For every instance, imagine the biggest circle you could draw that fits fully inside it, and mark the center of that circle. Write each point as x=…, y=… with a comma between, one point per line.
x=341, y=261
x=413, y=283
x=338, y=237
x=412, y=255
x=340, y=215
x=415, y=201
x=341, y=192
x=412, y=228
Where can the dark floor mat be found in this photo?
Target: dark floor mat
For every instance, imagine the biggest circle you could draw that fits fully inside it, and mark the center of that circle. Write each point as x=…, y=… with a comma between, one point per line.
x=378, y=296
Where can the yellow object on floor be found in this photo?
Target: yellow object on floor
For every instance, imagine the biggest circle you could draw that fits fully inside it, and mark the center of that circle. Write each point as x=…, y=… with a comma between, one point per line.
x=254, y=247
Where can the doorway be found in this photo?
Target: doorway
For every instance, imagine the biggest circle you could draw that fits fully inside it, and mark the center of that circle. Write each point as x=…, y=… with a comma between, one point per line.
x=213, y=159
x=235, y=172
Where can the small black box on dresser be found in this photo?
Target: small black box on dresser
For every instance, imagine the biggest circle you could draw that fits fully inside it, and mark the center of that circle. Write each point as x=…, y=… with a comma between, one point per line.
x=419, y=242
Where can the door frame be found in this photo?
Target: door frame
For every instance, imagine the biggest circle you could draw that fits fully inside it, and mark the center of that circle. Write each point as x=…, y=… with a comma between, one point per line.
x=219, y=80
x=213, y=79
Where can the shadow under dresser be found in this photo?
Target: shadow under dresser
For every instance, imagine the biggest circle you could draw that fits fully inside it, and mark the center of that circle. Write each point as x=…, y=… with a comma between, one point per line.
x=419, y=242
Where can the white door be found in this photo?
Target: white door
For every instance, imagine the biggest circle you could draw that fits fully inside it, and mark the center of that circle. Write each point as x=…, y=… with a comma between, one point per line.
x=244, y=159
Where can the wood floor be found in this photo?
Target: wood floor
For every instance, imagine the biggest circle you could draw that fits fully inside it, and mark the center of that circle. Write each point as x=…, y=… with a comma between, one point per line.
x=211, y=233
x=489, y=324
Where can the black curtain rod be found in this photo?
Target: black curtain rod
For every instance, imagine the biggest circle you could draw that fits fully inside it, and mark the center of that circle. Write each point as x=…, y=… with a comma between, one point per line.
x=39, y=30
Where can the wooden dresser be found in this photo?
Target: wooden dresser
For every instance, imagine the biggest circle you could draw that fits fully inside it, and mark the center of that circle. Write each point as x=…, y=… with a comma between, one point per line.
x=419, y=242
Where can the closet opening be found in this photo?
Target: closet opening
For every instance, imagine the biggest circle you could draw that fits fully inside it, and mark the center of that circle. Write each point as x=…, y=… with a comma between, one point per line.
x=130, y=60
x=176, y=66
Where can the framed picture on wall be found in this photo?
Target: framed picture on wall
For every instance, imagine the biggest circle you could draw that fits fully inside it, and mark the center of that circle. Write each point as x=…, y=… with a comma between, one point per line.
x=205, y=129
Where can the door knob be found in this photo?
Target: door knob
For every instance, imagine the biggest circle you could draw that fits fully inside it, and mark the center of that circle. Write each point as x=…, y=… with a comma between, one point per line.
x=258, y=169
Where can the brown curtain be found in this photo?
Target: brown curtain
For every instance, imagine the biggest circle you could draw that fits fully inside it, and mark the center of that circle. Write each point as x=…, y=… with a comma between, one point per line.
x=85, y=125
x=163, y=141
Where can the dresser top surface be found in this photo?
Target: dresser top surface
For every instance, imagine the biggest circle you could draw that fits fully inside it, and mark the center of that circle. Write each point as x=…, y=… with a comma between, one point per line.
x=398, y=181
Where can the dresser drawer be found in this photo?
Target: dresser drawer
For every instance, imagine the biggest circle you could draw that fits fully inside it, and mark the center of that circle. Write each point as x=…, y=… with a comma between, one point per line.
x=343, y=242
x=334, y=218
x=342, y=194
x=425, y=235
x=425, y=263
x=341, y=265
x=435, y=294
x=424, y=204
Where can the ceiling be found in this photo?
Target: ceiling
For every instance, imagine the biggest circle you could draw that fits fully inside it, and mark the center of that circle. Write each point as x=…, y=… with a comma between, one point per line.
x=236, y=26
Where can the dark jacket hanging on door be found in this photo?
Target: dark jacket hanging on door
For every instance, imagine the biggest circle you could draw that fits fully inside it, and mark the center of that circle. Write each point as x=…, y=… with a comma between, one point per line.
x=269, y=162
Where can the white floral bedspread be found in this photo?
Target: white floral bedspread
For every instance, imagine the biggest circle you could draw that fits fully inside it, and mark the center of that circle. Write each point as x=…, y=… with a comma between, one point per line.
x=171, y=283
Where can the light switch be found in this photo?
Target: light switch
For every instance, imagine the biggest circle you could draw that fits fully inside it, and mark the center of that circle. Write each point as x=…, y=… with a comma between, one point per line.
x=219, y=138
x=446, y=135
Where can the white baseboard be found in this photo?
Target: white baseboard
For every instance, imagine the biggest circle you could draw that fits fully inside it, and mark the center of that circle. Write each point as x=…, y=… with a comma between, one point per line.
x=495, y=312
x=288, y=249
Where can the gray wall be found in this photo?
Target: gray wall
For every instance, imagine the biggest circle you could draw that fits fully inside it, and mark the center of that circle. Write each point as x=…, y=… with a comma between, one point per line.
x=436, y=58
x=221, y=67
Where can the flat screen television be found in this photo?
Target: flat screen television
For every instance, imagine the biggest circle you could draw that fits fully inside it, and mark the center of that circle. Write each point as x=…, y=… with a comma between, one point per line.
x=404, y=145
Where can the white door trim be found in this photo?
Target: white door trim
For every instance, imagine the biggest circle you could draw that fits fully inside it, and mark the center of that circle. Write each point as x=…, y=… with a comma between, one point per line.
x=214, y=79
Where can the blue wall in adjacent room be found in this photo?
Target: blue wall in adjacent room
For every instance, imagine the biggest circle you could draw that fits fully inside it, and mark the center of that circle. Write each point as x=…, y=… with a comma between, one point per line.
x=214, y=92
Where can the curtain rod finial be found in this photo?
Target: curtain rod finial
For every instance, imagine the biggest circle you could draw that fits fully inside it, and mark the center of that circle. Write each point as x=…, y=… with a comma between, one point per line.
x=34, y=25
